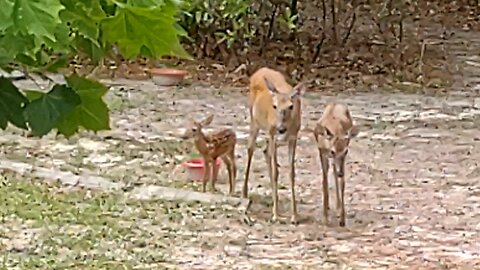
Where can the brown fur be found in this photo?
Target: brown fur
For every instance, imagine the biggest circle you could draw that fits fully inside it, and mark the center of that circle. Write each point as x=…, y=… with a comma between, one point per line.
x=220, y=144
x=275, y=107
x=333, y=133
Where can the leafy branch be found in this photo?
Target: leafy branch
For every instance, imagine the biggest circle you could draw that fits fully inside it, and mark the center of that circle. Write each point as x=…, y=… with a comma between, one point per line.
x=39, y=37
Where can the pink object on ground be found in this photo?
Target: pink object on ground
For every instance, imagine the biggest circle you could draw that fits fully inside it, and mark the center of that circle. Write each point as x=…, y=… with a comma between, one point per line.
x=196, y=168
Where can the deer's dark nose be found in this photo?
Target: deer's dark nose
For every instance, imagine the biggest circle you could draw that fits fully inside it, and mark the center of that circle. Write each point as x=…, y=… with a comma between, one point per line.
x=282, y=130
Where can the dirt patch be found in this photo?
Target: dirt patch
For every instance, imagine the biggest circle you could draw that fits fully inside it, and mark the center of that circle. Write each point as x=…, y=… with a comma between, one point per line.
x=412, y=193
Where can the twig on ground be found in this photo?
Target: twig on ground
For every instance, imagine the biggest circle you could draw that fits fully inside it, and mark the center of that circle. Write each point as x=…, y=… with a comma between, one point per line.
x=422, y=52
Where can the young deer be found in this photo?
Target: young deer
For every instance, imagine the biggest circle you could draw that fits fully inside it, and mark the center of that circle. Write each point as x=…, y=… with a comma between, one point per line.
x=220, y=144
x=275, y=107
x=333, y=132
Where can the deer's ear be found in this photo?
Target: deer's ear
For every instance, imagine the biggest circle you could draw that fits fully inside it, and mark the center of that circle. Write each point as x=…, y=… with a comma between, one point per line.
x=323, y=131
x=207, y=121
x=353, y=132
x=319, y=130
x=191, y=122
x=270, y=86
x=298, y=90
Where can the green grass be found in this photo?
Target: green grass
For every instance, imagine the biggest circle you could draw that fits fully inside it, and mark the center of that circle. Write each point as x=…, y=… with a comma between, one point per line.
x=51, y=228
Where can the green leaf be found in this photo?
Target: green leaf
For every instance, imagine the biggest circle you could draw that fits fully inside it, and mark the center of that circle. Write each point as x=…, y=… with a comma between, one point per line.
x=181, y=32
x=62, y=41
x=33, y=94
x=14, y=44
x=86, y=87
x=154, y=28
x=145, y=3
x=92, y=113
x=108, y=6
x=87, y=46
x=44, y=112
x=5, y=57
x=12, y=104
x=3, y=121
x=26, y=59
x=5, y=14
x=56, y=64
x=38, y=17
x=84, y=16
x=41, y=58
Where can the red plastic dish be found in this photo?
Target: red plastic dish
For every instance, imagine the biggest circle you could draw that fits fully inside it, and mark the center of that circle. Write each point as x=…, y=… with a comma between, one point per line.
x=196, y=168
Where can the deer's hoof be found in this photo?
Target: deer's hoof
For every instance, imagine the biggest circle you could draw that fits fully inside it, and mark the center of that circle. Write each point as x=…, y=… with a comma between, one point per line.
x=273, y=219
x=325, y=222
x=294, y=220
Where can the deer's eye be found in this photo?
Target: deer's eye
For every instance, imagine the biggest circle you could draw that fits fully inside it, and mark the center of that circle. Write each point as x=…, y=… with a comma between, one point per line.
x=328, y=134
x=290, y=107
x=194, y=129
x=274, y=107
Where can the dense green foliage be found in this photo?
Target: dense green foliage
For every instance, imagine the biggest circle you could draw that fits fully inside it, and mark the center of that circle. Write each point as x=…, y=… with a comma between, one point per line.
x=230, y=24
x=39, y=36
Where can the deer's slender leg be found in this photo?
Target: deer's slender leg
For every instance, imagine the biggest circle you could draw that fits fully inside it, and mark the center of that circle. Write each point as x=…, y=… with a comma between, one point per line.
x=268, y=160
x=215, y=174
x=229, y=165
x=337, y=187
x=272, y=152
x=292, y=145
x=342, y=192
x=324, y=161
x=231, y=156
x=252, y=140
x=206, y=174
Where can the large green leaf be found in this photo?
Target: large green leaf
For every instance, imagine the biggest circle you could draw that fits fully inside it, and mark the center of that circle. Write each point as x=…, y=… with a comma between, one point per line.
x=92, y=113
x=62, y=41
x=12, y=104
x=83, y=16
x=33, y=94
x=43, y=113
x=38, y=17
x=17, y=43
x=3, y=121
x=145, y=3
x=86, y=87
x=5, y=14
x=133, y=28
x=5, y=57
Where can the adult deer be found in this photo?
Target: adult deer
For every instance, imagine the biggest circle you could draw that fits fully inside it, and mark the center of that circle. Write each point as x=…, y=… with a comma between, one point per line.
x=275, y=107
x=333, y=132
